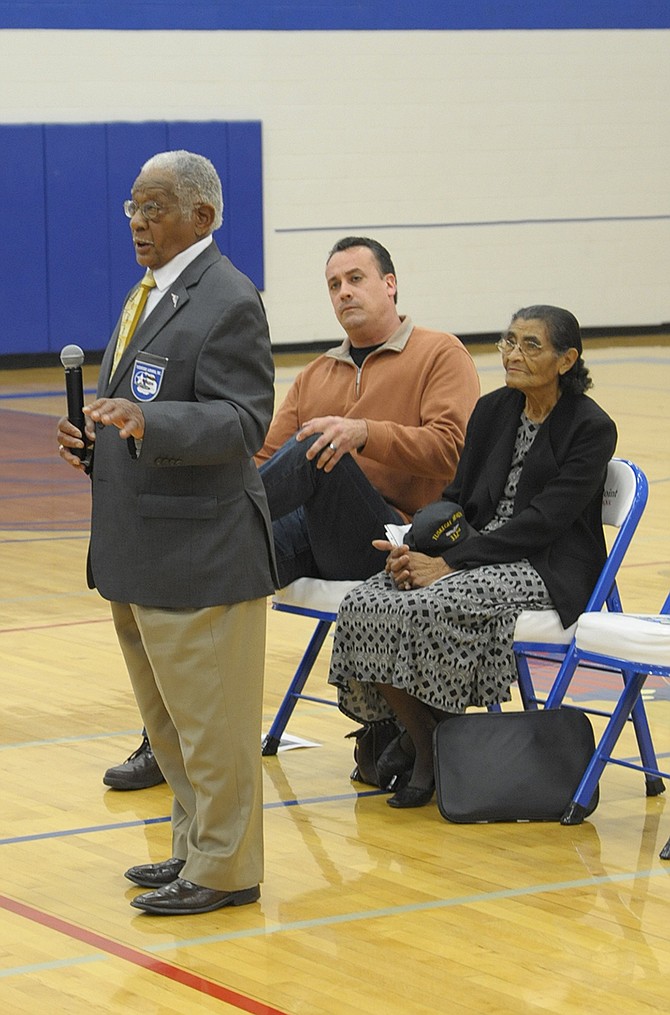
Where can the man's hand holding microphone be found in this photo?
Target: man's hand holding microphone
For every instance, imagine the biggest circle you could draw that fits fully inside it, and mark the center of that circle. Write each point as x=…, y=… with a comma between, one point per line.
x=76, y=431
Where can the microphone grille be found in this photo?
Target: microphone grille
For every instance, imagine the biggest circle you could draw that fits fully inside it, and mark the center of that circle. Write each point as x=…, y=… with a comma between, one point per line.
x=71, y=356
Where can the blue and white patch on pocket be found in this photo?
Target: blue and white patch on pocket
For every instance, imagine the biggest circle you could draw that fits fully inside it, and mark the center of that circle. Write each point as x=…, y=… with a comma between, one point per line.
x=147, y=378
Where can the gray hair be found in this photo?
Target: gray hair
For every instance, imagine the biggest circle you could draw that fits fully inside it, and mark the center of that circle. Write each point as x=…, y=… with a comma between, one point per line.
x=196, y=181
x=564, y=333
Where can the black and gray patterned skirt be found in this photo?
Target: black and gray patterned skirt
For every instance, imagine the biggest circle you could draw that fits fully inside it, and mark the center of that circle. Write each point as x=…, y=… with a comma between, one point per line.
x=449, y=644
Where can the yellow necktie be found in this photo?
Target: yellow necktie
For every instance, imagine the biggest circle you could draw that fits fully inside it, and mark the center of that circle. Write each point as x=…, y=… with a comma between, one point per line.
x=131, y=315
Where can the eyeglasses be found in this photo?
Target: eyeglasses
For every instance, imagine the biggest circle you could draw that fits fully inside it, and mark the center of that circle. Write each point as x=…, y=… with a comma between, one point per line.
x=528, y=347
x=149, y=210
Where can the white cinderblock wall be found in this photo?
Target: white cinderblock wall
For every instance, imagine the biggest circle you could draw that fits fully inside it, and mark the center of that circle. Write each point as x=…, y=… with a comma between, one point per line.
x=499, y=168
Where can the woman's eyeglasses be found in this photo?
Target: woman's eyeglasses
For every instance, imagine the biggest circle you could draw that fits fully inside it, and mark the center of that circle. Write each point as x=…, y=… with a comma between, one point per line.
x=528, y=347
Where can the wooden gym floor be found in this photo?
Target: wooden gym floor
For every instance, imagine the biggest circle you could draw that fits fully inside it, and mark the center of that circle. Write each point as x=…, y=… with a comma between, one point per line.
x=364, y=910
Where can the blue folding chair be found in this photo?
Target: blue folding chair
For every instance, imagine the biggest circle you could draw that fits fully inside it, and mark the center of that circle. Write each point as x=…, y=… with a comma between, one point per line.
x=536, y=631
x=320, y=600
x=540, y=637
x=539, y=634
x=636, y=647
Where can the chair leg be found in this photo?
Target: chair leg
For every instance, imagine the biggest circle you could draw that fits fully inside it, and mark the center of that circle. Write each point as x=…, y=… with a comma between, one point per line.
x=577, y=808
x=273, y=738
x=654, y=784
x=525, y=682
x=563, y=678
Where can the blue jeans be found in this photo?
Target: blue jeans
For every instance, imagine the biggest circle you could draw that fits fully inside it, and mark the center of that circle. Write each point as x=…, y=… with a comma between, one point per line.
x=323, y=523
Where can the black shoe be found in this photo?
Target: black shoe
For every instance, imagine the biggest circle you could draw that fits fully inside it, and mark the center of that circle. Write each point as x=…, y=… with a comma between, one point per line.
x=412, y=796
x=148, y=875
x=395, y=763
x=183, y=898
x=139, y=771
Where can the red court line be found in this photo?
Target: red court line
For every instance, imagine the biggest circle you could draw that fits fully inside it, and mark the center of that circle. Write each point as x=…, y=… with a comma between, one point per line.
x=138, y=958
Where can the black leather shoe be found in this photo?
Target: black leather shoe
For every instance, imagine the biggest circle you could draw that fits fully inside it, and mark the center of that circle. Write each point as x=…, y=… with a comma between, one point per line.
x=139, y=771
x=183, y=898
x=395, y=763
x=148, y=875
x=411, y=796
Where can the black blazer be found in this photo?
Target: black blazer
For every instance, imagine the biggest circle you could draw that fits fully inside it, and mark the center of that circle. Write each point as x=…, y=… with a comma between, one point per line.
x=556, y=522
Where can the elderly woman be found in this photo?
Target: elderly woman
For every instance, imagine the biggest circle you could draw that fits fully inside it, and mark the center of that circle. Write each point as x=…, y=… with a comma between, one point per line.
x=431, y=635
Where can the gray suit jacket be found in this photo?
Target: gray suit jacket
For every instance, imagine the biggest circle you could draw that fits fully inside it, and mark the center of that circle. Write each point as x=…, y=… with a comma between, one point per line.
x=184, y=523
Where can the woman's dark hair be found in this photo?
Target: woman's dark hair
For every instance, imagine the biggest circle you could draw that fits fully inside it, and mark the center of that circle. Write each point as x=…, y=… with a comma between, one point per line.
x=564, y=334
x=380, y=254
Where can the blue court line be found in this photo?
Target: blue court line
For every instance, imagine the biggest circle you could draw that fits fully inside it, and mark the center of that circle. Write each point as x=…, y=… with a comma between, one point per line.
x=40, y=394
x=337, y=339
x=67, y=832
x=52, y=525
x=47, y=538
x=42, y=487
x=477, y=347
x=142, y=822
x=84, y=738
x=474, y=224
x=46, y=525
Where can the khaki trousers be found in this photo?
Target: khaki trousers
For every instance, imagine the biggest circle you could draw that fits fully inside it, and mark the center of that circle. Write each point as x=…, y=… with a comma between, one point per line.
x=198, y=680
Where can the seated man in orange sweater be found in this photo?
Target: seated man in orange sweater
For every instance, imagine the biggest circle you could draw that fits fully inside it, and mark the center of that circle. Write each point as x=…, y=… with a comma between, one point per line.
x=369, y=432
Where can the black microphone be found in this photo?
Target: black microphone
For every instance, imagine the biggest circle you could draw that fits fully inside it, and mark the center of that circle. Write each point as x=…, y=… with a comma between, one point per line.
x=72, y=358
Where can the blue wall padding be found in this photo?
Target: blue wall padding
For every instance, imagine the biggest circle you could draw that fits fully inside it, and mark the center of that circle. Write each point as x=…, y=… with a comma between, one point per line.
x=324, y=15
x=23, y=255
x=66, y=254
x=245, y=213
x=77, y=224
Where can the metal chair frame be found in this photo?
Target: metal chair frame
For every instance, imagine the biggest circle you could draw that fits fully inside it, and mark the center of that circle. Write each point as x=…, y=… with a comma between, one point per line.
x=621, y=473
x=629, y=706
x=295, y=692
x=605, y=592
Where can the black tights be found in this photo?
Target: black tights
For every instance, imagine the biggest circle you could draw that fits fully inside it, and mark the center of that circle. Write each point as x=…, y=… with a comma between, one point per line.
x=419, y=720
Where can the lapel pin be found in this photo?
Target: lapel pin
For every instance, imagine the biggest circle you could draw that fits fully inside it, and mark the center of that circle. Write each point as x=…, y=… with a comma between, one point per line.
x=175, y=299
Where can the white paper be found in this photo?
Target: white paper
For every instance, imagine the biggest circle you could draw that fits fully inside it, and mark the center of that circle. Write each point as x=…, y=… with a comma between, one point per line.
x=289, y=743
x=396, y=533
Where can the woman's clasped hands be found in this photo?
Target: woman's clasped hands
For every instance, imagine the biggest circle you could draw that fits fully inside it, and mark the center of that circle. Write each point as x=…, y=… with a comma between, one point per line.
x=410, y=569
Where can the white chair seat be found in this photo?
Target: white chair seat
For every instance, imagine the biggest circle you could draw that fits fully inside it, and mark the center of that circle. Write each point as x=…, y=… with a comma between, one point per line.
x=314, y=594
x=641, y=638
x=542, y=627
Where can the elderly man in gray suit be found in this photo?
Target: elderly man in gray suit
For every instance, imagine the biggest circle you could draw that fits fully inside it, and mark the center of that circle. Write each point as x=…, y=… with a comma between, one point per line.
x=185, y=397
